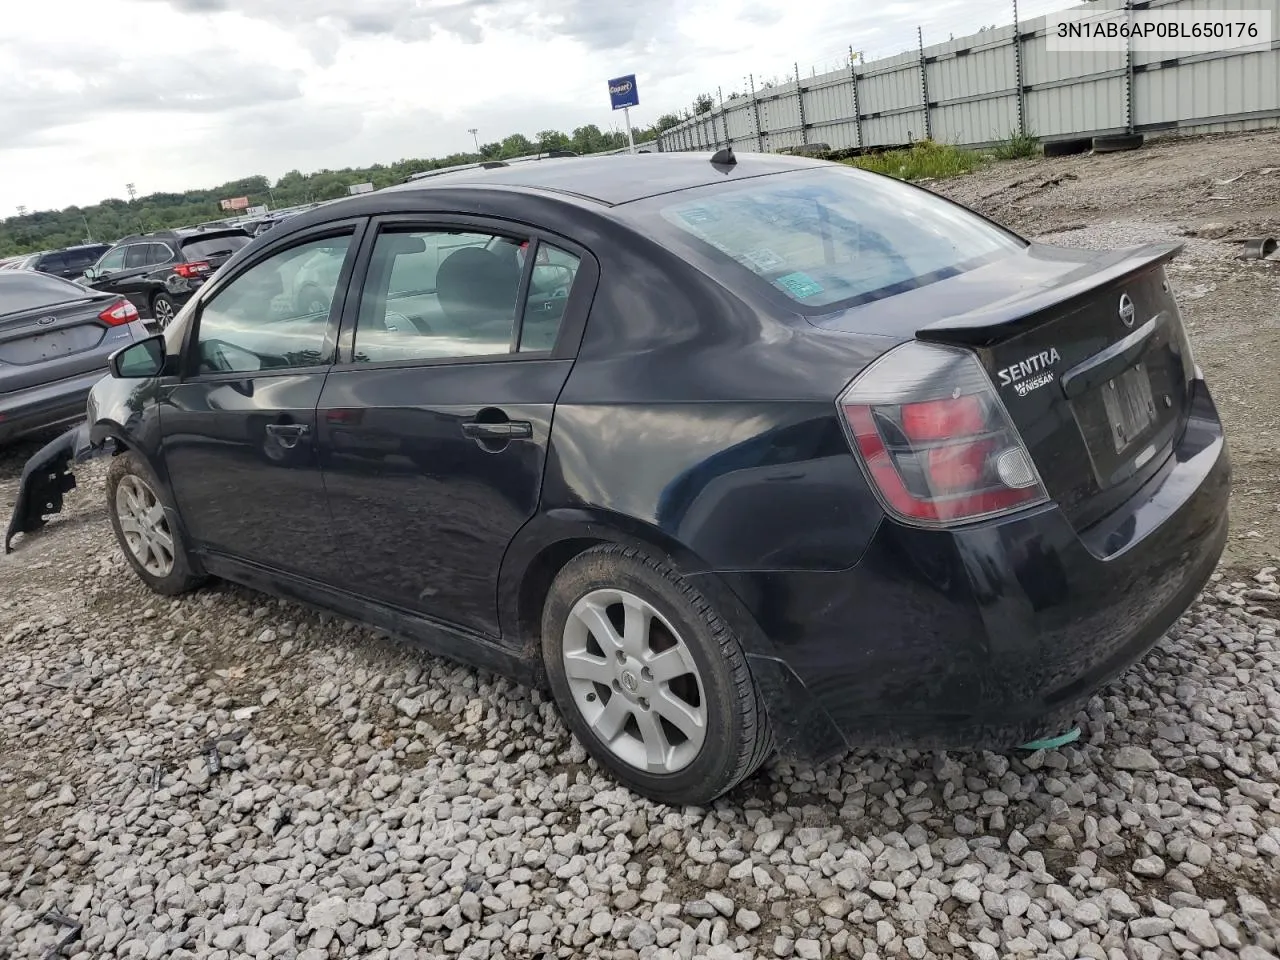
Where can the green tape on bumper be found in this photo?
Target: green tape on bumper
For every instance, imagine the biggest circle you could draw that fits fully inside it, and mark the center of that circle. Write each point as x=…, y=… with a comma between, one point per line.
x=1052, y=743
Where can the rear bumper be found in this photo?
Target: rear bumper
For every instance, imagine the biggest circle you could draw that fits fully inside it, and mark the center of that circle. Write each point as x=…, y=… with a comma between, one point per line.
x=995, y=634
x=48, y=405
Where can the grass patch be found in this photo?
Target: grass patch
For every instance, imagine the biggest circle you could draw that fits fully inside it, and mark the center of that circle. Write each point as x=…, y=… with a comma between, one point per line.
x=1019, y=146
x=923, y=160
x=929, y=160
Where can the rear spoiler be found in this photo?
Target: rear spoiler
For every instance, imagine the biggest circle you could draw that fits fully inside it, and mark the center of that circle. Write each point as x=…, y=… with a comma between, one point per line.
x=1014, y=315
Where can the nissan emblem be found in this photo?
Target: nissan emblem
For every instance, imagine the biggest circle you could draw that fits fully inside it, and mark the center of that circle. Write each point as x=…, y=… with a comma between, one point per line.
x=1127, y=311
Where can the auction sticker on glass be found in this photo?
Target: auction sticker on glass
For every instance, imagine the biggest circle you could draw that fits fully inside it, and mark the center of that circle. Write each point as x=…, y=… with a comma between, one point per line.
x=1157, y=30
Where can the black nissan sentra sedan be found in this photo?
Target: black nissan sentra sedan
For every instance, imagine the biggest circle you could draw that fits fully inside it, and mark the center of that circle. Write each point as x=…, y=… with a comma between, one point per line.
x=734, y=454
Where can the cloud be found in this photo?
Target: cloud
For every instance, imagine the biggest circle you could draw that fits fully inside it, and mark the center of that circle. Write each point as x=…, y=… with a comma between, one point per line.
x=47, y=88
x=598, y=24
x=175, y=94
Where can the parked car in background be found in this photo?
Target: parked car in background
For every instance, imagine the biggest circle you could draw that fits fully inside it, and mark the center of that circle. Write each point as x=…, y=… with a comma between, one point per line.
x=55, y=337
x=16, y=263
x=69, y=263
x=730, y=453
x=158, y=272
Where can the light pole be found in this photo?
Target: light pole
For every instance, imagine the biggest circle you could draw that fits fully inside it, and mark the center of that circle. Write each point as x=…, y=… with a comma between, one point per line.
x=472, y=131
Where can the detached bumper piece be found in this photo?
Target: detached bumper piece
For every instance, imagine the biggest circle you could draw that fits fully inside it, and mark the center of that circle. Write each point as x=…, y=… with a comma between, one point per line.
x=45, y=481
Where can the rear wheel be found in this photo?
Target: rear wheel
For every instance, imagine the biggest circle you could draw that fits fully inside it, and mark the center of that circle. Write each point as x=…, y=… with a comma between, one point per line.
x=163, y=309
x=146, y=528
x=650, y=679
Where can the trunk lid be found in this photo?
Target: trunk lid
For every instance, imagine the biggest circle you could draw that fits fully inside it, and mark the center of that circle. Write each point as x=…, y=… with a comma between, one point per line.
x=1094, y=371
x=215, y=249
x=49, y=343
x=1086, y=350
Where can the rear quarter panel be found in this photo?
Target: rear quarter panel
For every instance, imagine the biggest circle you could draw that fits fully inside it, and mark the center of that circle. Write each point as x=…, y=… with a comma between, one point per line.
x=707, y=421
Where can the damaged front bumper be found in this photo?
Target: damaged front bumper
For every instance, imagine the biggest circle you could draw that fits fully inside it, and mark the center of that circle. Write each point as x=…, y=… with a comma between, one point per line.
x=47, y=477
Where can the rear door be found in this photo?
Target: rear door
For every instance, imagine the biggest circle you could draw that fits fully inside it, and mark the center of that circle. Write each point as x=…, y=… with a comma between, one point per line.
x=434, y=424
x=238, y=429
x=51, y=330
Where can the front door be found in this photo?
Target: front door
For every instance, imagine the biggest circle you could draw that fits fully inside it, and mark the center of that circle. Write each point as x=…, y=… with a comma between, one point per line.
x=133, y=281
x=108, y=269
x=239, y=430
x=434, y=425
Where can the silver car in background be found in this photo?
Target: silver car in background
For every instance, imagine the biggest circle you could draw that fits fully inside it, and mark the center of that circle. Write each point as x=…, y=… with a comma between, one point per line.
x=55, y=337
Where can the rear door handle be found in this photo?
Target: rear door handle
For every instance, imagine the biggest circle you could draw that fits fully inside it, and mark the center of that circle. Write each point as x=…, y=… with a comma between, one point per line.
x=507, y=430
x=288, y=433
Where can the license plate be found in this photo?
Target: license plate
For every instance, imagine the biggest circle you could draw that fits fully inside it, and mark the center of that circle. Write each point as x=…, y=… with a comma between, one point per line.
x=1130, y=406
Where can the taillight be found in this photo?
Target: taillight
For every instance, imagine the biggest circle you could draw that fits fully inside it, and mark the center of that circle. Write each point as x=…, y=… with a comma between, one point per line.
x=189, y=270
x=119, y=313
x=935, y=439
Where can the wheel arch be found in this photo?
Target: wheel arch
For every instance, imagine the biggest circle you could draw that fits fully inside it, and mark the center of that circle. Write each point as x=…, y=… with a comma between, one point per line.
x=547, y=543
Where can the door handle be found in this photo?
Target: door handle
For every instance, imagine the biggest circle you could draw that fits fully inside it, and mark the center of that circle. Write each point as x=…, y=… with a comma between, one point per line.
x=506, y=430
x=288, y=434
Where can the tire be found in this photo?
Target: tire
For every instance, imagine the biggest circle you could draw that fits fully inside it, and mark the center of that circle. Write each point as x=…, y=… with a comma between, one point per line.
x=599, y=586
x=129, y=478
x=1117, y=144
x=1066, y=148
x=163, y=310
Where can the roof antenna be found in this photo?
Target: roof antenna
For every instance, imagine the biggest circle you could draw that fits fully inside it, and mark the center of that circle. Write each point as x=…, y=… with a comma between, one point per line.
x=724, y=157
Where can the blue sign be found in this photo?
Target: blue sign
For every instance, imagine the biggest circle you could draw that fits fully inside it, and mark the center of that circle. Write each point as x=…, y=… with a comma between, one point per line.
x=623, y=92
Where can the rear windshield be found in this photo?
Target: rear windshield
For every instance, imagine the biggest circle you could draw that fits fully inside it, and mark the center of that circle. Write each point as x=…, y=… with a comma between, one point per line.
x=24, y=290
x=831, y=236
x=218, y=245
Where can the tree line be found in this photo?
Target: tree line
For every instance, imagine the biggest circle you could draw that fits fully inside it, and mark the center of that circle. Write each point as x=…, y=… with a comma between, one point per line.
x=112, y=219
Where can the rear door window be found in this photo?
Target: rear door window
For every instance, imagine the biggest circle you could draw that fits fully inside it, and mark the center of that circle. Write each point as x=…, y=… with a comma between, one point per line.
x=452, y=295
x=51, y=263
x=829, y=236
x=79, y=259
x=136, y=255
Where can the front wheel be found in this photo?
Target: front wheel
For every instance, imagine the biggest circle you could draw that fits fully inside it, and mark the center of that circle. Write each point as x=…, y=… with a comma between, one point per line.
x=650, y=679
x=146, y=528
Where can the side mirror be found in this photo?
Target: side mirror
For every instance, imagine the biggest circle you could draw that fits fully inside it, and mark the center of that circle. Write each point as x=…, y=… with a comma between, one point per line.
x=91, y=273
x=138, y=361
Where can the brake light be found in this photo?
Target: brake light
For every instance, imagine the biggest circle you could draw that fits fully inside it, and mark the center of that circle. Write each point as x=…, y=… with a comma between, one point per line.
x=119, y=313
x=935, y=439
x=190, y=270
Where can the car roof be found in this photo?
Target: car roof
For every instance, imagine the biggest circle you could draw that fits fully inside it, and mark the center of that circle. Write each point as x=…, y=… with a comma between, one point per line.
x=181, y=233
x=614, y=180
x=80, y=246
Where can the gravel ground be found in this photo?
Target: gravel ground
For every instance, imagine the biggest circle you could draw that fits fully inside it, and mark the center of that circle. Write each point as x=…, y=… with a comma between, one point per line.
x=229, y=776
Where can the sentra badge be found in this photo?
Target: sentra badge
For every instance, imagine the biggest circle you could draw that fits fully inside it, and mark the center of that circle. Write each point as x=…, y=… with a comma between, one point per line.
x=1031, y=373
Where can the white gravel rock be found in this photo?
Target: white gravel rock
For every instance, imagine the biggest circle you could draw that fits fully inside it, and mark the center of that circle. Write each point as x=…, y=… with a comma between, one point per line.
x=380, y=804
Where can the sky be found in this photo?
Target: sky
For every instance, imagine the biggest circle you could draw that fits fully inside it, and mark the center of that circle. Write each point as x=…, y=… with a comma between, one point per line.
x=177, y=94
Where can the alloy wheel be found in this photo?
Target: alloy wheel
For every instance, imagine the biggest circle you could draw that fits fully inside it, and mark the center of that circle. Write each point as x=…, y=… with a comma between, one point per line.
x=634, y=680
x=144, y=525
x=163, y=311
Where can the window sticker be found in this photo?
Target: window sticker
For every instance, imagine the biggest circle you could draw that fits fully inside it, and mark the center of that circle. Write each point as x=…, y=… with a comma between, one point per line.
x=799, y=285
